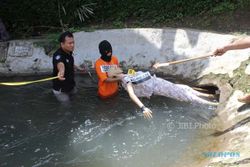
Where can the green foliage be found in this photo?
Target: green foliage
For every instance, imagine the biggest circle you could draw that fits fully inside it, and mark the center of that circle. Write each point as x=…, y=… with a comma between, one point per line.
x=225, y=6
x=77, y=29
x=36, y=15
x=55, y=15
x=118, y=24
x=70, y=12
x=50, y=43
x=160, y=10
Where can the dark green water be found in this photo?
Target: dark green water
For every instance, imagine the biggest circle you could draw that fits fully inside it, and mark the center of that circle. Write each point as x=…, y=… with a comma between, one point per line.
x=36, y=130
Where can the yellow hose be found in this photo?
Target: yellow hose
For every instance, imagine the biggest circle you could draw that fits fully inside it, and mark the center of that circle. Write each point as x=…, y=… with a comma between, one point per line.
x=26, y=82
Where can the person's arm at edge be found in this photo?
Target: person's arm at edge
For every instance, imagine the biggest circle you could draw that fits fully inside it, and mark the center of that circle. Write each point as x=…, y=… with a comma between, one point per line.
x=238, y=44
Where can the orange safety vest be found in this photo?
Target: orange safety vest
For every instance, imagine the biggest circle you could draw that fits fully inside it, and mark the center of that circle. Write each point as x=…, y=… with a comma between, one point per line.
x=106, y=89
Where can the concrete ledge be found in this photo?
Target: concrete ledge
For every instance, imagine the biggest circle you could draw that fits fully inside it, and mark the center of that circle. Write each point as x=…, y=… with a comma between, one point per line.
x=135, y=48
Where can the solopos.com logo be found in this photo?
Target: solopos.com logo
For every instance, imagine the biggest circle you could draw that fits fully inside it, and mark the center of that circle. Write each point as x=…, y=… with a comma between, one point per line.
x=221, y=154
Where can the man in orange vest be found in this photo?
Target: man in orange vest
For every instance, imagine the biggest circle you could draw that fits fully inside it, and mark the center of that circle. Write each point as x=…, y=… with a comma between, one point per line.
x=107, y=86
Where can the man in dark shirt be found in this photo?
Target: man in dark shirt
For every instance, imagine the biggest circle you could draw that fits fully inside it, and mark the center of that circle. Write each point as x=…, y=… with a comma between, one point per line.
x=63, y=67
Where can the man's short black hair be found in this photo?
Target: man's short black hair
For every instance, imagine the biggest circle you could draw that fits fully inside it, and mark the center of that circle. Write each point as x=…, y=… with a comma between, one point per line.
x=64, y=35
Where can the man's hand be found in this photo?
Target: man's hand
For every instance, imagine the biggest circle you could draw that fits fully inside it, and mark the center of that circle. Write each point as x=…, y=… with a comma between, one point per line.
x=219, y=51
x=147, y=113
x=61, y=75
x=81, y=69
x=156, y=65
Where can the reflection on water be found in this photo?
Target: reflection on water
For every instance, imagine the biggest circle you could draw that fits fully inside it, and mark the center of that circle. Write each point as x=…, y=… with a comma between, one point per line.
x=36, y=130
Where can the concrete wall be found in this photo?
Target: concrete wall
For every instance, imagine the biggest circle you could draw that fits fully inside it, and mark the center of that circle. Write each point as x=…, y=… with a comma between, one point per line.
x=21, y=57
x=141, y=47
x=134, y=48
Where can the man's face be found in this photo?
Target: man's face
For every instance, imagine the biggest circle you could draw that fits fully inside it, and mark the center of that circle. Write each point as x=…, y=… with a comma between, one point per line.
x=68, y=44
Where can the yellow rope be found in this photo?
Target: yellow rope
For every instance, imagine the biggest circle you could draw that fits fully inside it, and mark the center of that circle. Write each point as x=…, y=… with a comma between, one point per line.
x=26, y=82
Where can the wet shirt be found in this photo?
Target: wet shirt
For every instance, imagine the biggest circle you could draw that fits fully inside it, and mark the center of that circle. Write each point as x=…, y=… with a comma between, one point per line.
x=142, y=83
x=106, y=89
x=67, y=59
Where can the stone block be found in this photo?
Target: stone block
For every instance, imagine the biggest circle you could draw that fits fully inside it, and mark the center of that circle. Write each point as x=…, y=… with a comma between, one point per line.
x=20, y=49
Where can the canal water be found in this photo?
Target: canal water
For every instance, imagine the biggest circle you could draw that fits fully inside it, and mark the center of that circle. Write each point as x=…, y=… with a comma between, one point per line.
x=37, y=131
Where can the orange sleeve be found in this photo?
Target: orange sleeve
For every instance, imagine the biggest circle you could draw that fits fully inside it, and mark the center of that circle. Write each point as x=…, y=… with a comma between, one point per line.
x=101, y=75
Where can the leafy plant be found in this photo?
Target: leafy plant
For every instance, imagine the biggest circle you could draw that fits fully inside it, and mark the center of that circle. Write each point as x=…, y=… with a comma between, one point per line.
x=30, y=17
x=225, y=6
x=79, y=10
